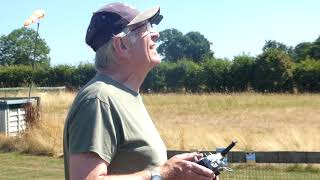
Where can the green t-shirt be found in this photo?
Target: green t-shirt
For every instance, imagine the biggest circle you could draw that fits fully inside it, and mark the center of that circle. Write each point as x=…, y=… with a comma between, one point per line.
x=111, y=120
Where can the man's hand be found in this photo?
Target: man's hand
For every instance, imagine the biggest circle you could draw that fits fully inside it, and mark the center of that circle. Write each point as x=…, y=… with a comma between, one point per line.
x=184, y=167
x=180, y=167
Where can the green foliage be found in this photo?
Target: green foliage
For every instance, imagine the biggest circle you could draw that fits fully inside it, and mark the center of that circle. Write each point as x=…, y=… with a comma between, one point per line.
x=217, y=74
x=307, y=75
x=23, y=46
x=192, y=74
x=307, y=50
x=198, y=47
x=271, y=44
x=241, y=72
x=302, y=51
x=156, y=78
x=82, y=74
x=175, y=78
x=172, y=45
x=188, y=66
x=315, y=50
x=41, y=76
x=185, y=76
x=71, y=76
x=273, y=72
x=175, y=46
x=62, y=75
x=14, y=76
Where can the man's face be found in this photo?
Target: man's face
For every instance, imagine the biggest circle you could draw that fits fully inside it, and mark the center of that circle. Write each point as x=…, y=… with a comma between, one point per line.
x=144, y=49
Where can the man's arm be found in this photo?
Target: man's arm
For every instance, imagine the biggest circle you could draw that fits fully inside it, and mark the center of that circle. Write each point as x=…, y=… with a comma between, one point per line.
x=180, y=167
x=90, y=166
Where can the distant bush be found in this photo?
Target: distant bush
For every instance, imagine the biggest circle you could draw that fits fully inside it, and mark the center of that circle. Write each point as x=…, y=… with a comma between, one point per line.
x=241, y=72
x=217, y=74
x=307, y=75
x=273, y=72
x=61, y=75
x=16, y=75
x=156, y=79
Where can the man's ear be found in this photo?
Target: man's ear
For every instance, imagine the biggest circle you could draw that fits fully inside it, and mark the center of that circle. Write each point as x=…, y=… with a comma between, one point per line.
x=122, y=45
x=119, y=46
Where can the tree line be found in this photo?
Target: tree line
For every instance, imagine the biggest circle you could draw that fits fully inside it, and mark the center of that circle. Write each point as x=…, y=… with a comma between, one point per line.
x=189, y=65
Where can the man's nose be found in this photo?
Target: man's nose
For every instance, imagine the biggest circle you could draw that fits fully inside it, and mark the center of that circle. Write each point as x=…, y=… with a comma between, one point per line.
x=155, y=35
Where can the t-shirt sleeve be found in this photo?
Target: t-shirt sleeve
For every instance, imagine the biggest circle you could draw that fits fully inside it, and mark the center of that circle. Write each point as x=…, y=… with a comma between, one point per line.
x=93, y=129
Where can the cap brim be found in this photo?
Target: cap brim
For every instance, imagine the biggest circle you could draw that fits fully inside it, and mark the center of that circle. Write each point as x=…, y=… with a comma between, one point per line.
x=145, y=15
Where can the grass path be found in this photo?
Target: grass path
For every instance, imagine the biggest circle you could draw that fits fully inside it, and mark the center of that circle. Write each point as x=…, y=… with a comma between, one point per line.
x=20, y=166
x=16, y=166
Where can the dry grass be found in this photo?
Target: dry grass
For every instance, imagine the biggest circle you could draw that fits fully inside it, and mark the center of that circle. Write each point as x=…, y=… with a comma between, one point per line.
x=259, y=122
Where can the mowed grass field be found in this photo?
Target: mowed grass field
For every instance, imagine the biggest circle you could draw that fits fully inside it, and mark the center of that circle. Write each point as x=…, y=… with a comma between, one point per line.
x=260, y=122
x=26, y=167
x=16, y=166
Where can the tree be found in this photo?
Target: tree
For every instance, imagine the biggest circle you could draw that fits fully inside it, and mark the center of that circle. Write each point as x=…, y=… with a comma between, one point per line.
x=61, y=75
x=241, y=72
x=156, y=79
x=273, y=72
x=198, y=46
x=315, y=49
x=307, y=50
x=302, y=51
x=307, y=75
x=192, y=74
x=18, y=47
x=175, y=78
x=82, y=74
x=271, y=44
x=175, y=46
x=217, y=74
x=172, y=45
x=15, y=76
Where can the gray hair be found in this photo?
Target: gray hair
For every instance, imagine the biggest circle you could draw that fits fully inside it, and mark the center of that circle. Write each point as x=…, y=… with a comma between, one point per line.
x=105, y=55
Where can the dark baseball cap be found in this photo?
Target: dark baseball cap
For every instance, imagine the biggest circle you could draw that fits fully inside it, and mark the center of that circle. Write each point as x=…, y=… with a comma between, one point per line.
x=112, y=18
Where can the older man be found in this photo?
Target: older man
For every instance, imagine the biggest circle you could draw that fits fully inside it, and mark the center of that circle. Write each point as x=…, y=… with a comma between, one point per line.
x=108, y=132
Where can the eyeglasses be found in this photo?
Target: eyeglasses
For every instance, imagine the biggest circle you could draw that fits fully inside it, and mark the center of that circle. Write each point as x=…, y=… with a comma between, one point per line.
x=148, y=25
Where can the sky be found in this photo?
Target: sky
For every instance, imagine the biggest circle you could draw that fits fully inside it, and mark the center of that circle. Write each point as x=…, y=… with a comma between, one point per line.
x=232, y=26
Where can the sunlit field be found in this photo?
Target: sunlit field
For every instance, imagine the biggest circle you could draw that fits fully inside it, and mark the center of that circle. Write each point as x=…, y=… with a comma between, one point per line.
x=268, y=122
x=259, y=122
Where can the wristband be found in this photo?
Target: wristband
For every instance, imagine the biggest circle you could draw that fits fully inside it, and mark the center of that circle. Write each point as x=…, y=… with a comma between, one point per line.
x=155, y=175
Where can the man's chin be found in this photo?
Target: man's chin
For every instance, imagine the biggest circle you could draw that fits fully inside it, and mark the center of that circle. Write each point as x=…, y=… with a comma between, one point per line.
x=157, y=61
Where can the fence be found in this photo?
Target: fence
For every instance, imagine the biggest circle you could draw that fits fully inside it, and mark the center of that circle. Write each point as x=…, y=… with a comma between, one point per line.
x=275, y=165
